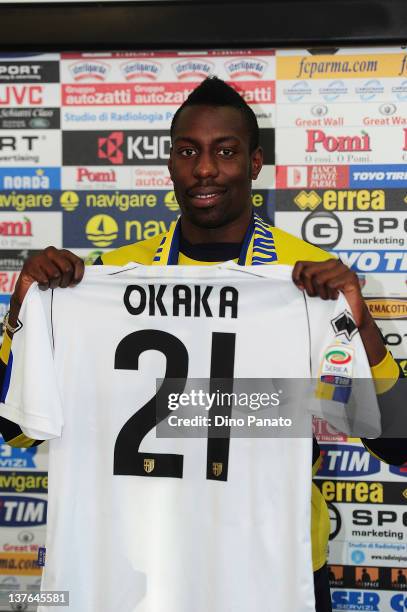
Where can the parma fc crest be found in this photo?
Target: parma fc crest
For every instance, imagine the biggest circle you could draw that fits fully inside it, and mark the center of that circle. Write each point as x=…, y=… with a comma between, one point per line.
x=149, y=465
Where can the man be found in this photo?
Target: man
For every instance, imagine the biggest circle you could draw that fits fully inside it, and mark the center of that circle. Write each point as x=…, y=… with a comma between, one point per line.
x=215, y=156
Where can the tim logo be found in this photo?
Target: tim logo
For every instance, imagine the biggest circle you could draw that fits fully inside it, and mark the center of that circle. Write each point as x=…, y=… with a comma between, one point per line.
x=89, y=71
x=193, y=68
x=22, y=511
x=111, y=147
x=137, y=69
x=246, y=67
x=344, y=460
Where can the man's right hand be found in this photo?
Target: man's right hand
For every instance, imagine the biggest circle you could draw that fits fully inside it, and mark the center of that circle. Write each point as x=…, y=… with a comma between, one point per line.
x=51, y=268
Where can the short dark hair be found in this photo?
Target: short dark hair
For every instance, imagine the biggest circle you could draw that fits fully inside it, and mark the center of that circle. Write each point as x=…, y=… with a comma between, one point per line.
x=215, y=92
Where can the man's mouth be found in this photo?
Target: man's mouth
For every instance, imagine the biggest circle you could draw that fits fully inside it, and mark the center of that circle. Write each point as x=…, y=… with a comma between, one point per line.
x=205, y=197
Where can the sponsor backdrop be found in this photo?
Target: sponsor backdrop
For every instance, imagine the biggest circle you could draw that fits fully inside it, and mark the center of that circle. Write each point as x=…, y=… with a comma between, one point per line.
x=84, y=144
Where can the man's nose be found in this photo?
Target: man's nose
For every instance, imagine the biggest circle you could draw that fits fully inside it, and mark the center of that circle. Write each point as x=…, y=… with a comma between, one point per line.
x=205, y=165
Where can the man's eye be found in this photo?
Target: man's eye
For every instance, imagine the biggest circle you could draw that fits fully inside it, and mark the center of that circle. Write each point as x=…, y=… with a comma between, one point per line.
x=187, y=152
x=226, y=152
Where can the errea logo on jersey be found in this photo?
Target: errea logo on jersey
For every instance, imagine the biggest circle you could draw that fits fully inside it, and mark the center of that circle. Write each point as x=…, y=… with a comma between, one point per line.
x=193, y=68
x=246, y=67
x=346, y=460
x=89, y=70
x=140, y=69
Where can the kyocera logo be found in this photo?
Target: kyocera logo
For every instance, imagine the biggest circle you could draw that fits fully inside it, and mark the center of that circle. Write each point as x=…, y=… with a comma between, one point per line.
x=246, y=67
x=317, y=139
x=137, y=69
x=185, y=69
x=355, y=600
x=147, y=147
x=89, y=70
x=22, y=511
x=345, y=460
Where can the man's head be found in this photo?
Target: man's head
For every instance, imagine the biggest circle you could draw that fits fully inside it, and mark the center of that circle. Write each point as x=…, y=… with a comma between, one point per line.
x=214, y=157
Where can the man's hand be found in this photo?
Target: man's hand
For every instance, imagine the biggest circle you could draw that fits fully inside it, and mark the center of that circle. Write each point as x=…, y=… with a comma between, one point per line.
x=52, y=268
x=326, y=279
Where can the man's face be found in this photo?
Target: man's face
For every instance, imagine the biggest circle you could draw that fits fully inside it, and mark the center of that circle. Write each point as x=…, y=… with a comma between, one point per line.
x=211, y=165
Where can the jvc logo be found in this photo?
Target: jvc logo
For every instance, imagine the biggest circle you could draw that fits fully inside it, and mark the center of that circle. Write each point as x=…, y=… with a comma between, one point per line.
x=17, y=94
x=22, y=511
x=148, y=147
x=11, y=142
x=345, y=460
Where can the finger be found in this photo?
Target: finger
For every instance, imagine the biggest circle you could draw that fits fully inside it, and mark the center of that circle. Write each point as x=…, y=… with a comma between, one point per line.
x=51, y=272
x=306, y=269
x=70, y=265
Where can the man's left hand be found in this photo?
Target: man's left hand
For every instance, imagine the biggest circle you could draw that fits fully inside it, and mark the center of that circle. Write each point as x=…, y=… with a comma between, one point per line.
x=326, y=278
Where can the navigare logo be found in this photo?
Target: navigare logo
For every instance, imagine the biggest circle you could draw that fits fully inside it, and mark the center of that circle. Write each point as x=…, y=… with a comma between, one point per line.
x=387, y=308
x=317, y=140
x=22, y=511
x=102, y=230
x=346, y=460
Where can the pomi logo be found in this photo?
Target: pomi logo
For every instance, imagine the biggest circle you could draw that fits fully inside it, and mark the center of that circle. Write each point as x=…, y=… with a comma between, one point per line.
x=339, y=144
x=102, y=230
x=110, y=147
x=69, y=200
x=171, y=201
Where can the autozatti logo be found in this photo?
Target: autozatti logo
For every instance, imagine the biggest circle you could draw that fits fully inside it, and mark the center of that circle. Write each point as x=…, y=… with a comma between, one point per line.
x=346, y=460
x=137, y=69
x=89, y=71
x=317, y=139
x=246, y=67
x=22, y=511
x=186, y=69
x=111, y=147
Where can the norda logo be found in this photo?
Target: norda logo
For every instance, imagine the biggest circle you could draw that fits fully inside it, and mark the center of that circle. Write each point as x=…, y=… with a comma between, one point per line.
x=317, y=139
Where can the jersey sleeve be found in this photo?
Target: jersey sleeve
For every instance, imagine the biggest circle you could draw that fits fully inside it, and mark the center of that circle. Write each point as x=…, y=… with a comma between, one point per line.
x=344, y=388
x=30, y=396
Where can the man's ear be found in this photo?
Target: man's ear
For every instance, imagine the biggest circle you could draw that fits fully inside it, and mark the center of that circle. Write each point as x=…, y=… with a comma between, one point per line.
x=256, y=162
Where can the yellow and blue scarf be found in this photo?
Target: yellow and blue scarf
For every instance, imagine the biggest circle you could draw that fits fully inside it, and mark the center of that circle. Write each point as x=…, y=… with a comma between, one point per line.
x=258, y=246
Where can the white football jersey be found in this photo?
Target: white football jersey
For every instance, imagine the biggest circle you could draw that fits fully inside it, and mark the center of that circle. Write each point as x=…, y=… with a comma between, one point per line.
x=143, y=523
